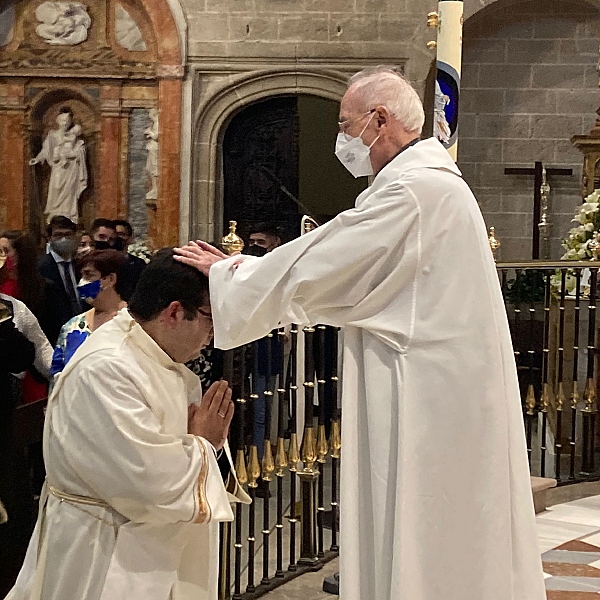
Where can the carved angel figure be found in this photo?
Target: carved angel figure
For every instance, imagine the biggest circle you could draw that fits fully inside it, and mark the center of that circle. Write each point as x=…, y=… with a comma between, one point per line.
x=63, y=23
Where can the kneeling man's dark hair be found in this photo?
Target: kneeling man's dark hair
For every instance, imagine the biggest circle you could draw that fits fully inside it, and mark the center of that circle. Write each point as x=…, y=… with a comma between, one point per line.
x=166, y=280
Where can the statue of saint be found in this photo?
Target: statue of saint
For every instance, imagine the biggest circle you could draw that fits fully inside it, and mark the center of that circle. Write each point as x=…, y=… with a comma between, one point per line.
x=151, y=135
x=64, y=151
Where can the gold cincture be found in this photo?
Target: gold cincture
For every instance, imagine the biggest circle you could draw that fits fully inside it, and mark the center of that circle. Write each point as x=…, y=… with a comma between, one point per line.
x=232, y=242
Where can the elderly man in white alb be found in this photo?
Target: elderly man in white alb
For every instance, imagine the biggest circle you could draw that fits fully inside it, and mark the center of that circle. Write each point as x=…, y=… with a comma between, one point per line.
x=135, y=490
x=435, y=494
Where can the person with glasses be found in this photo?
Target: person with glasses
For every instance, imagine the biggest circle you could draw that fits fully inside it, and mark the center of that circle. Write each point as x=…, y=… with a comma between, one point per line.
x=58, y=266
x=139, y=471
x=436, y=498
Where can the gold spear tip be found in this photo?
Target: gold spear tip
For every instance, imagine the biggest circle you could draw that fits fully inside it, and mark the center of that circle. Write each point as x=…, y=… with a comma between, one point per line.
x=232, y=242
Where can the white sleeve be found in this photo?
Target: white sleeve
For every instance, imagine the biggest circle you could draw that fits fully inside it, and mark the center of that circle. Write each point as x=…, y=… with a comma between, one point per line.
x=339, y=274
x=116, y=445
x=28, y=325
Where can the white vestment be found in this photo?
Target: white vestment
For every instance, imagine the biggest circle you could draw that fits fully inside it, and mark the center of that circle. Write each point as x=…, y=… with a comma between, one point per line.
x=116, y=433
x=436, y=500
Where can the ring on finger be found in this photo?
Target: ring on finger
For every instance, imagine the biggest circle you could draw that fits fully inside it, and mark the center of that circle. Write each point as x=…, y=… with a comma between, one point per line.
x=221, y=414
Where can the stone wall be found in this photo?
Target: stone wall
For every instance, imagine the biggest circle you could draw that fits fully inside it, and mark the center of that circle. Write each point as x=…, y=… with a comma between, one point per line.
x=271, y=29
x=529, y=85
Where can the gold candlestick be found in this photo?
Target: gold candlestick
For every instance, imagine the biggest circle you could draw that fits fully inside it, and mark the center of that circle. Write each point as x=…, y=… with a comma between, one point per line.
x=232, y=242
x=494, y=242
x=594, y=246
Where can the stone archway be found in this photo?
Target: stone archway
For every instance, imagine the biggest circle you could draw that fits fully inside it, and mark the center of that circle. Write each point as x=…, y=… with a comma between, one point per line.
x=222, y=99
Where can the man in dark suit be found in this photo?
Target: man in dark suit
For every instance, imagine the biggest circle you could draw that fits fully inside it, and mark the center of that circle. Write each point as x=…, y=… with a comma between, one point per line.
x=58, y=267
x=135, y=265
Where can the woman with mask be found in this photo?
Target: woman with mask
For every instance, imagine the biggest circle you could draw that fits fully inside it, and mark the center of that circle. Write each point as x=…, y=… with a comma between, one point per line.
x=8, y=279
x=101, y=288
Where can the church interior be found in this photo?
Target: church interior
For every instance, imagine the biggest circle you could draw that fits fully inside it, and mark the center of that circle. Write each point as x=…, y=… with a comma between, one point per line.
x=195, y=119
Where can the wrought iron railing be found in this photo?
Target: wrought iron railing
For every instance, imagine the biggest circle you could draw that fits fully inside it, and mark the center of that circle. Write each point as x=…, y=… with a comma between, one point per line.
x=551, y=308
x=286, y=530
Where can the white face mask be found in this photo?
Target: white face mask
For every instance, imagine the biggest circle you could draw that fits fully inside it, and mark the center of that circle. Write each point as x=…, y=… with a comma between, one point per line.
x=354, y=154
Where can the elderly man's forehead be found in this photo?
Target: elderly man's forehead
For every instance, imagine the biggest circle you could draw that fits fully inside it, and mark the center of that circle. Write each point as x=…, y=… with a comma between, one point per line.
x=351, y=103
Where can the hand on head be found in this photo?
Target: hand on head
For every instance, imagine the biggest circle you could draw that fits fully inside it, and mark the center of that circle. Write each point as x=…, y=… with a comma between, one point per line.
x=200, y=255
x=212, y=418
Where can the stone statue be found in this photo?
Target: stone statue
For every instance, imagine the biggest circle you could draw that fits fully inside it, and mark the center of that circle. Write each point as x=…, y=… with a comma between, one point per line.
x=151, y=134
x=441, y=127
x=63, y=23
x=64, y=151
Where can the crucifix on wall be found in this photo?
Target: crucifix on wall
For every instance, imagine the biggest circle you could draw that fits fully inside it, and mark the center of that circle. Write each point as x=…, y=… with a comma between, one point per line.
x=541, y=190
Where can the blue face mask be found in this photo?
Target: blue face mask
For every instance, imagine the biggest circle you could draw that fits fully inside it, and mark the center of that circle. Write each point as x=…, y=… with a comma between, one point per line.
x=88, y=290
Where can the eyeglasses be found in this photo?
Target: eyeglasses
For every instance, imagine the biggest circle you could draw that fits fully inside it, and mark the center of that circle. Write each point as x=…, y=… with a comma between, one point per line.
x=206, y=315
x=343, y=125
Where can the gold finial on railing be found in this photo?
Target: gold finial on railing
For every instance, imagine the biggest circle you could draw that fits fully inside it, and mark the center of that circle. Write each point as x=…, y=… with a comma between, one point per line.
x=240, y=467
x=494, y=241
x=594, y=246
x=530, y=400
x=309, y=449
x=560, y=397
x=281, y=459
x=268, y=466
x=335, y=439
x=546, y=397
x=232, y=242
x=253, y=467
x=575, y=396
x=589, y=396
x=294, y=453
x=322, y=446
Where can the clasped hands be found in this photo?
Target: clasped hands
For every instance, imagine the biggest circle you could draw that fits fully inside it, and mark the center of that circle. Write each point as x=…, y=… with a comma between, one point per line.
x=212, y=417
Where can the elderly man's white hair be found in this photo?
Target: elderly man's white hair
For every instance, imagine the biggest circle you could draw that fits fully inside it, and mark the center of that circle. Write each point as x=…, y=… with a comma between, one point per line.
x=385, y=86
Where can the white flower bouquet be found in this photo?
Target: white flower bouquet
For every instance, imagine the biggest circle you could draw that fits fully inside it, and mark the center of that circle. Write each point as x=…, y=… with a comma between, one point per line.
x=141, y=250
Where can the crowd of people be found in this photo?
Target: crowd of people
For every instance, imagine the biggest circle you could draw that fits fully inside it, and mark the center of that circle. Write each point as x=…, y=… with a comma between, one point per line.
x=49, y=303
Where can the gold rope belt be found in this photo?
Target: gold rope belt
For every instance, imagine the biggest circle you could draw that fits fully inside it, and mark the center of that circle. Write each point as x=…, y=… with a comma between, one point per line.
x=75, y=499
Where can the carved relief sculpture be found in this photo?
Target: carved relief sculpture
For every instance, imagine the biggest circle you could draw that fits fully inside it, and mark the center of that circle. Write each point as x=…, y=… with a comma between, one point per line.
x=127, y=32
x=7, y=23
x=64, y=152
x=63, y=23
x=151, y=134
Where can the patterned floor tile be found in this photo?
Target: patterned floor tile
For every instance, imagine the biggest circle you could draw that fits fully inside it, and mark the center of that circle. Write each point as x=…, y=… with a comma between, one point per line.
x=557, y=595
x=570, y=570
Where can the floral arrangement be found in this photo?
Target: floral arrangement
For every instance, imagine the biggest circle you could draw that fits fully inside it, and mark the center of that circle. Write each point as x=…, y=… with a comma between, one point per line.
x=576, y=244
x=141, y=249
x=588, y=219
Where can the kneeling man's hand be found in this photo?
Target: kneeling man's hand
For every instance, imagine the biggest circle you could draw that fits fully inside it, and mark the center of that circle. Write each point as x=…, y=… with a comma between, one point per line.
x=212, y=418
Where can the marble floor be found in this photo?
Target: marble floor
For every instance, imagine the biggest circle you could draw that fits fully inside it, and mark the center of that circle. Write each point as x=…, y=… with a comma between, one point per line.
x=569, y=536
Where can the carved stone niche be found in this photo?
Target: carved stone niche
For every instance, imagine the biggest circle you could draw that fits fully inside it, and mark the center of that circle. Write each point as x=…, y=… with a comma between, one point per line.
x=115, y=57
x=45, y=106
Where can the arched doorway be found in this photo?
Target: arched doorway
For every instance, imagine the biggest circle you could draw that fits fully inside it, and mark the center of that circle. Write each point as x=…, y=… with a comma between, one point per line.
x=279, y=163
